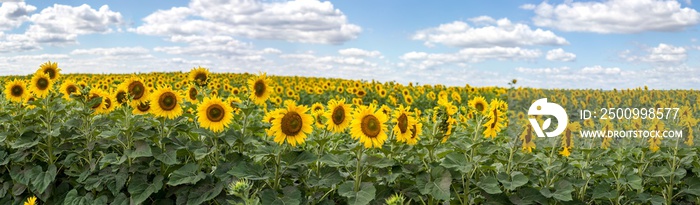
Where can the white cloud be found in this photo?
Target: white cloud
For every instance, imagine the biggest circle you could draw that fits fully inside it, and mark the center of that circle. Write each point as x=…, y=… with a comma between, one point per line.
x=306, y=21
x=542, y=70
x=661, y=54
x=16, y=43
x=589, y=77
x=327, y=62
x=117, y=51
x=615, y=16
x=222, y=47
x=560, y=55
x=271, y=51
x=500, y=32
x=424, y=60
x=62, y=24
x=603, y=77
x=600, y=70
x=13, y=14
x=356, y=52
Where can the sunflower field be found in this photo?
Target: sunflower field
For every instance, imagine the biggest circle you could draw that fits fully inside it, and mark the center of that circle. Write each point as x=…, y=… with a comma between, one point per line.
x=225, y=138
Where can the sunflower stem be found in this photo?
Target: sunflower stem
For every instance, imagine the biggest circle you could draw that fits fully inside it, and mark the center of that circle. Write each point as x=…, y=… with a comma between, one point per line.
x=358, y=177
x=47, y=124
x=278, y=167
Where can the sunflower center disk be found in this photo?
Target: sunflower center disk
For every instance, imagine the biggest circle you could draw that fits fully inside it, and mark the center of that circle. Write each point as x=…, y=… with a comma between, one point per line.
x=413, y=132
x=479, y=107
x=121, y=97
x=403, y=123
x=143, y=107
x=338, y=115
x=98, y=104
x=136, y=90
x=259, y=87
x=42, y=83
x=215, y=113
x=51, y=73
x=17, y=91
x=193, y=94
x=167, y=101
x=201, y=77
x=108, y=103
x=71, y=89
x=370, y=126
x=291, y=124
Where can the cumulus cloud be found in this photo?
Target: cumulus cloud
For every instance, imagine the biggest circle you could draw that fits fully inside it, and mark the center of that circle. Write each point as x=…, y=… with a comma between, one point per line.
x=596, y=76
x=306, y=21
x=661, y=54
x=356, y=52
x=605, y=77
x=16, y=43
x=425, y=60
x=500, y=32
x=13, y=14
x=54, y=25
x=542, y=70
x=60, y=24
x=220, y=47
x=117, y=51
x=560, y=55
x=615, y=16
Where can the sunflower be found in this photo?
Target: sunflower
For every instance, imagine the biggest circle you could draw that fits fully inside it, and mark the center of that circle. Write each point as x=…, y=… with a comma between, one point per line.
x=16, y=90
x=431, y=95
x=528, y=140
x=338, y=114
x=141, y=108
x=382, y=93
x=110, y=103
x=368, y=126
x=404, y=121
x=357, y=101
x=121, y=96
x=41, y=84
x=235, y=91
x=317, y=111
x=291, y=124
x=138, y=91
x=233, y=102
x=199, y=76
x=50, y=69
x=360, y=93
x=28, y=102
x=279, y=89
x=479, y=105
x=456, y=97
x=416, y=130
x=166, y=103
x=689, y=140
x=192, y=94
x=214, y=114
x=30, y=201
x=496, y=119
x=260, y=87
x=317, y=108
x=448, y=130
x=94, y=94
x=408, y=99
x=69, y=88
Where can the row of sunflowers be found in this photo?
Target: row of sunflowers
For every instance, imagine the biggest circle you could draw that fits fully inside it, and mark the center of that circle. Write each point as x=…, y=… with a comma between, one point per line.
x=225, y=138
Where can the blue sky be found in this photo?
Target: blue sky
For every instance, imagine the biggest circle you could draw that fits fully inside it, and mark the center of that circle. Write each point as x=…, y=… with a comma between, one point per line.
x=548, y=44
